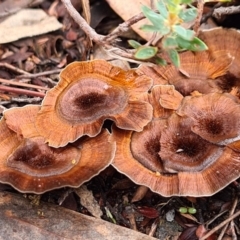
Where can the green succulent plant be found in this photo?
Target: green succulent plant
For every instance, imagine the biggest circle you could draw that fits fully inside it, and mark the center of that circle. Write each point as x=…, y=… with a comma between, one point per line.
x=167, y=22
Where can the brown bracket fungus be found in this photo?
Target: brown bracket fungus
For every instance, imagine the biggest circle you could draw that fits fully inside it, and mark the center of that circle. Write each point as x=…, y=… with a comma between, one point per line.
x=171, y=160
x=137, y=157
x=215, y=117
x=222, y=41
x=164, y=99
x=196, y=73
x=89, y=93
x=184, y=151
x=30, y=165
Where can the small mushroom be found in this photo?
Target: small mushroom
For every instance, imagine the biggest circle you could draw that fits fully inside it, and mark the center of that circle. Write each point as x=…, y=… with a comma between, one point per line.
x=173, y=161
x=137, y=157
x=196, y=73
x=215, y=117
x=222, y=41
x=22, y=120
x=164, y=99
x=30, y=165
x=184, y=151
x=89, y=93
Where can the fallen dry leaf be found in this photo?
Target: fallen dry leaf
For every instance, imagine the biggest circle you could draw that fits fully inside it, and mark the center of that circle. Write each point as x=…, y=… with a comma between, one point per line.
x=132, y=8
x=88, y=201
x=27, y=23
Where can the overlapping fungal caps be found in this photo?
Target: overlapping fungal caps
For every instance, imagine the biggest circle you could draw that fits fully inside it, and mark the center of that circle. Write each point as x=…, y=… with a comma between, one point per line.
x=215, y=117
x=194, y=151
x=164, y=99
x=30, y=165
x=222, y=41
x=89, y=93
x=197, y=73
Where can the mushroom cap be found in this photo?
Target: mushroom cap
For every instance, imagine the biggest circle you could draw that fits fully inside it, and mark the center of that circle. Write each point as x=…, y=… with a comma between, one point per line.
x=215, y=116
x=222, y=41
x=137, y=157
x=30, y=165
x=164, y=99
x=22, y=120
x=184, y=151
x=140, y=162
x=197, y=71
x=155, y=72
x=89, y=93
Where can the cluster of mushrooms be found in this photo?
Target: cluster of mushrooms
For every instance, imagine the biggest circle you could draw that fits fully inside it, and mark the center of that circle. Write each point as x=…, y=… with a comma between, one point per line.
x=176, y=131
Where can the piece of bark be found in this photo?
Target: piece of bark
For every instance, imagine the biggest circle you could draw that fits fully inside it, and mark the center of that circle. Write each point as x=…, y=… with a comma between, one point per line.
x=20, y=220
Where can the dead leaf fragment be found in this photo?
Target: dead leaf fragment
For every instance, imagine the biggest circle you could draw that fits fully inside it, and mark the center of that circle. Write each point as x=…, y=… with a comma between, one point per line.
x=88, y=201
x=127, y=11
x=27, y=23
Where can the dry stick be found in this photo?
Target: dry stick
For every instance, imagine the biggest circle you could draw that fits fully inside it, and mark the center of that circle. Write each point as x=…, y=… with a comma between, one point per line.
x=23, y=84
x=21, y=91
x=27, y=100
x=222, y=11
x=230, y=213
x=200, y=6
x=40, y=74
x=82, y=23
x=220, y=225
x=15, y=69
x=124, y=27
x=97, y=38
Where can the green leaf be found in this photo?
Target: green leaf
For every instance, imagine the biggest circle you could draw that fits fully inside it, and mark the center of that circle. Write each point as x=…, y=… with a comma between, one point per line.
x=182, y=43
x=159, y=23
x=184, y=33
x=155, y=18
x=173, y=54
x=188, y=15
x=145, y=52
x=161, y=29
x=194, y=45
x=161, y=61
x=186, y=1
x=173, y=6
x=134, y=44
x=169, y=42
x=161, y=7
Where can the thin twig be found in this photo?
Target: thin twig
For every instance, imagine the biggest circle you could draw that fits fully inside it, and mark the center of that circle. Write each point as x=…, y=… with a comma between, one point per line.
x=220, y=225
x=21, y=91
x=97, y=38
x=230, y=213
x=124, y=27
x=20, y=84
x=27, y=100
x=82, y=23
x=15, y=69
x=200, y=6
x=222, y=11
x=210, y=13
x=34, y=75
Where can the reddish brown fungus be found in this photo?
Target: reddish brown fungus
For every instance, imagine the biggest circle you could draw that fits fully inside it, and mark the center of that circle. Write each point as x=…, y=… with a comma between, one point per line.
x=89, y=93
x=222, y=42
x=170, y=159
x=184, y=151
x=196, y=73
x=215, y=117
x=30, y=165
x=137, y=157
